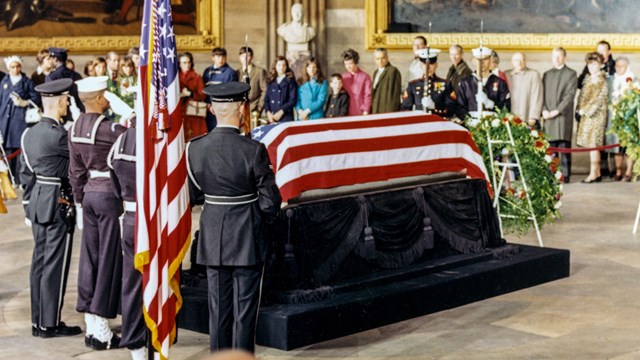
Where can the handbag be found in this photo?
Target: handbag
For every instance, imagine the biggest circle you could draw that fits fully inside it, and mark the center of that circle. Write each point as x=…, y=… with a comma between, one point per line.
x=32, y=114
x=196, y=108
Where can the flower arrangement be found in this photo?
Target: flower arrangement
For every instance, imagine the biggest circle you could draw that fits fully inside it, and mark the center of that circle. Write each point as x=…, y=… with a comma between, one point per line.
x=540, y=168
x=624, y=123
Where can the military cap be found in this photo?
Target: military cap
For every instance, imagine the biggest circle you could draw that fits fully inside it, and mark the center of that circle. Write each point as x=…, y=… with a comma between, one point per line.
x=55, y=87
x=481, y=53
x=58, y=53
x=92, y=83
x=431, y=54
x=228, y=92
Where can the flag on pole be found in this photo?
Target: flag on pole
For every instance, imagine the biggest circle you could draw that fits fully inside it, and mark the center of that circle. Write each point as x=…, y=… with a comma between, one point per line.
x=163, y=222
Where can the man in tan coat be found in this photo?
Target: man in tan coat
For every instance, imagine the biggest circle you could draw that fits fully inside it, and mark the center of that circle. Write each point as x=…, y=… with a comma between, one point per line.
x=525, y=87
x=387, y=82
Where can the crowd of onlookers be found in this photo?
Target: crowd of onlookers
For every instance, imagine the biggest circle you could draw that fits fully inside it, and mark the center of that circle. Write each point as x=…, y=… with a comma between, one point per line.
x=279, y=95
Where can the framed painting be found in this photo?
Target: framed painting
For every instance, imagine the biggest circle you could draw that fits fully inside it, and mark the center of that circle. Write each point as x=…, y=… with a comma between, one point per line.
x=91, y=27
x=508, y=24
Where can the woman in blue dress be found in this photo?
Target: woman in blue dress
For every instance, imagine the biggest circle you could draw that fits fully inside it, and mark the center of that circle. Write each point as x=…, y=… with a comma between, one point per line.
x=282, y=92
x=312, y=92
x=16, y=89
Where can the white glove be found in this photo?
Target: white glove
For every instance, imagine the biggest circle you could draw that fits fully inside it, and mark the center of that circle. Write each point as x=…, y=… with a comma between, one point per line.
x=482, y=98
x=185, y=93
x=75, y=110
x=18, y=101
x=79, y=222
x=1, y=139
x=117, y=105
x=427, y=103
x=27, y=222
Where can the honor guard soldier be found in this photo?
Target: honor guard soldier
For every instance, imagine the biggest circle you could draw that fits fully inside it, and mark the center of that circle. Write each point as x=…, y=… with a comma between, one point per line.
x=49, y=209
x=100, y=276
x=232, y=176
x=437, y=99
x=122, y=162
x=60, y=71
x=494, y=92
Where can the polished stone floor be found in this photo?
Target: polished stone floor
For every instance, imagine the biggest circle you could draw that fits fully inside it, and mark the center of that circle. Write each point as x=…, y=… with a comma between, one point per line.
x=593, y=314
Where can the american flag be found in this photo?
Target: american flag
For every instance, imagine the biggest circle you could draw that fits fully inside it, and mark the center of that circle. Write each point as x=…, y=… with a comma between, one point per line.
x=321, y=154
x=163, y=223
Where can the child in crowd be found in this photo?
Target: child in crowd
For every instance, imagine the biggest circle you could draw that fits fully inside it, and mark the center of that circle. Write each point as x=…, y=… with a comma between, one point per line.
x=127, y=79
x=337, y=103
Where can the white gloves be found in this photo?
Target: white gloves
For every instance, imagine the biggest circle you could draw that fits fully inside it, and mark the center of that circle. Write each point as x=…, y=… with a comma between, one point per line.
x=75, y=110
x=427, y=103
x=482, y=98
x=117, y=105
x=18, y=101
x=79, y=222
x=27, y=222
x=185, y=93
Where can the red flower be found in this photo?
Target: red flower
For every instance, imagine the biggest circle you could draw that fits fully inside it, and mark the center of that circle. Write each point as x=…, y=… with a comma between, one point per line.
x=510, y=191
x=539, y=144
x=553, y=167
x=523, y=195
x=629, y=79
x=517, y=121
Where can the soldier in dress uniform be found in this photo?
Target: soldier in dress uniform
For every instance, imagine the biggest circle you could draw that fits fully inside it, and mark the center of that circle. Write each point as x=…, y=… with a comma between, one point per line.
x=437, y=100
x=49, y=209
x=100, y=277
x=122, y=162
x=60, y=71
x=494, y=94
x=232, y=176
x=219, y=72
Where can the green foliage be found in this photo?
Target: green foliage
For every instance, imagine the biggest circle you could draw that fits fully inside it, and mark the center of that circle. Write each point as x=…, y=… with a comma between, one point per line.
x=541, y=170
x=624, y=123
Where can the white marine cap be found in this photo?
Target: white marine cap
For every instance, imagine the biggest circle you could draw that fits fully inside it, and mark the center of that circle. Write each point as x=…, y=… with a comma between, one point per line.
x=13, y=58
x=93, y=83
x=481, y=53
x=431, y=54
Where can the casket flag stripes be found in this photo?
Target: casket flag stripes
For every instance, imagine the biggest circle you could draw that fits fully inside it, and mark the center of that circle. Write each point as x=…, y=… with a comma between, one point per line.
x=163, y=222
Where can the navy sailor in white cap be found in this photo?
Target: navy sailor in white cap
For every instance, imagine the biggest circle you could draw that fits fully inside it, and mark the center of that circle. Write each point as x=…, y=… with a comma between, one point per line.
x=100, y=273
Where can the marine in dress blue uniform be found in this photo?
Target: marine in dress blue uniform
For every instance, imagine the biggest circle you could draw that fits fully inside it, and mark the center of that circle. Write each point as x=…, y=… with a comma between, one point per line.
x=49, y=208
x=232, y=176
x=100, y=278
x=495, y=90
x=437, y=89
x=217, y=75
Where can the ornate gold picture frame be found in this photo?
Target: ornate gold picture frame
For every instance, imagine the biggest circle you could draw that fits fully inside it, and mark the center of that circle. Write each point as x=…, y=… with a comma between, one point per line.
x=207, y=35
x=378, y=18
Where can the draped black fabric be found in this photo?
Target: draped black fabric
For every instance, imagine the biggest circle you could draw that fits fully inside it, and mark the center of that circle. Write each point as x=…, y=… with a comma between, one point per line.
x=386, y=230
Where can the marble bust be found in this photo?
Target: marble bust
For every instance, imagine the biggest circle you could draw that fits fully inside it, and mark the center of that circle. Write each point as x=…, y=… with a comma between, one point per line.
x=296, y=33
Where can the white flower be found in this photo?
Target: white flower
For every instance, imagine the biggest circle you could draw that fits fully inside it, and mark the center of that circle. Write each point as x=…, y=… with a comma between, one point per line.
x=474, y=122
x=496, y=122
x=558, y=204
x=558, y=174
x=505, y=151
x=548, y=158
x=534, y=133
x=560, y=188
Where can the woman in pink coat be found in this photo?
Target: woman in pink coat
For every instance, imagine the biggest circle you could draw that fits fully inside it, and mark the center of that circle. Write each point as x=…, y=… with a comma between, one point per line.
x=357, y=83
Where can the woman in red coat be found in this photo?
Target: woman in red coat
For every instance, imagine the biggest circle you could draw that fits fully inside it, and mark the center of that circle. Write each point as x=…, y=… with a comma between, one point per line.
x=193, y=108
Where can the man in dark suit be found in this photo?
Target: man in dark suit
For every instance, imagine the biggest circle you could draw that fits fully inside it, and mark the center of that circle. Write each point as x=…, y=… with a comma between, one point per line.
x=232, y=176
x=60, y=71
x=49, y=209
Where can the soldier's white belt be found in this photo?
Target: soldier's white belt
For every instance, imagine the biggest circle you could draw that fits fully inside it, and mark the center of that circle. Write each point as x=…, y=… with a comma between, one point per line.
x=230, y=200
x=130, y=206
x=48, y=180
x=98, y=174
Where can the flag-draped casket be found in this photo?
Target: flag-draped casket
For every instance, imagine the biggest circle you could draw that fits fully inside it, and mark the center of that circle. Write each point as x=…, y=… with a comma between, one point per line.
x=374, y=192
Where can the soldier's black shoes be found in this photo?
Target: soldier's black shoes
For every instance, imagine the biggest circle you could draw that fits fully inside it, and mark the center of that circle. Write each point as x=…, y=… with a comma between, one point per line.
x=96, y=344
x=58, y=331
x=87, y=340
x=35, y=331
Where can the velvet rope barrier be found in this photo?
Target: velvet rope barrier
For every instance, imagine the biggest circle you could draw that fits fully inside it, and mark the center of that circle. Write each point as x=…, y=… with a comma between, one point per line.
x=564, y=150
x=13, y=154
